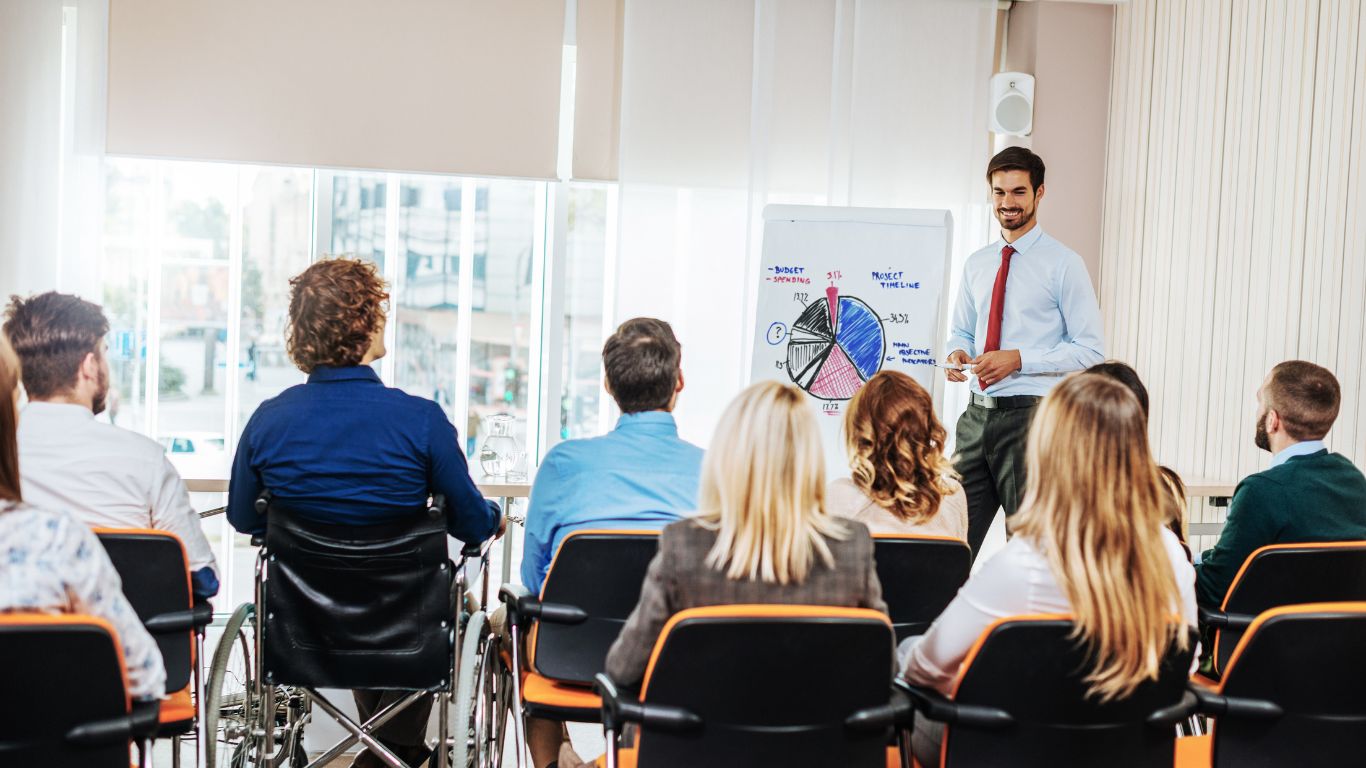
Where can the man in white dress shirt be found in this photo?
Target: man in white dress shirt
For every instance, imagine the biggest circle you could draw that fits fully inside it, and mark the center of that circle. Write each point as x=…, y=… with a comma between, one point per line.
x=103, y=475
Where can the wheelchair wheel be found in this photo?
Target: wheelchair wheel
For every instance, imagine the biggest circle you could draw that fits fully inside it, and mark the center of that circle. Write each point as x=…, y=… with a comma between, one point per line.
x=495, y=691
x=464, y=730
x=231, y=710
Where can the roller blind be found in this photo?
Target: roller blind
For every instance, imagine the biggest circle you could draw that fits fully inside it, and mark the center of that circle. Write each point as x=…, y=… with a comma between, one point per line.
x=442, y=86
x=597, y=89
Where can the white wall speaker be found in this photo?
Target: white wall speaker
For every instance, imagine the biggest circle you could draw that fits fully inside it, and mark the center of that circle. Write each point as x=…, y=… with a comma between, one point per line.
x=1012, y=103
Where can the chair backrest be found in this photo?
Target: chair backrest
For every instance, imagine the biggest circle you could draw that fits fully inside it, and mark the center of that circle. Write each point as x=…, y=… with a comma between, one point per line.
x=60, y=672
x=357, y=606
x=1291, y=574
x=1033, y=669
x=919, y=575
x=772, y=685
x=1310, y=661
x=601, y=573
x=156, y=580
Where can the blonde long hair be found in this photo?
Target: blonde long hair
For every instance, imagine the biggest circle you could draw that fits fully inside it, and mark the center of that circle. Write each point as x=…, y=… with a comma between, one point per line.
x=896, y=447
x=1095, y=506
x=763, y=488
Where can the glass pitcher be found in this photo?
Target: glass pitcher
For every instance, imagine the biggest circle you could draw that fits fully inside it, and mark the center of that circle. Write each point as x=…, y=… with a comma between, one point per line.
x=501, y=455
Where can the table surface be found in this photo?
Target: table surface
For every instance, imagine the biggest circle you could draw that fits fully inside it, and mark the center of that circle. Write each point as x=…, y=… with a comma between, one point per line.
x=494, y=488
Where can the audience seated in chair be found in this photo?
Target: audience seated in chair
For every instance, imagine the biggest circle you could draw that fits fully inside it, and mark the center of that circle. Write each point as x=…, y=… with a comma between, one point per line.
x=901, y=481
x=638, y=476
x=1127, y=376
x=1308, y=494
x=761, y=534
x=52, y=563
x=344, y=449
x=106, y=476
x=1090, y=540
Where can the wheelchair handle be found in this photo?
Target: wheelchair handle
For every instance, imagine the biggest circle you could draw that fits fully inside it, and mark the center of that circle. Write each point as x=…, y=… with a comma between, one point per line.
x=263, y=502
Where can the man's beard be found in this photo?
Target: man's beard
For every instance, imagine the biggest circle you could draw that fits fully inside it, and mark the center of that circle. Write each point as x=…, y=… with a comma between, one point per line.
x=1026, y=216
x=101, y=399
x=1260, y=437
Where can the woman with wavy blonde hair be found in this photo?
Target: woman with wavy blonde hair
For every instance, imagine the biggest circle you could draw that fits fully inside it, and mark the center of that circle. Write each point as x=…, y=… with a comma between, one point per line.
x=900, y=482
x=1090, y=540
x=761, y=534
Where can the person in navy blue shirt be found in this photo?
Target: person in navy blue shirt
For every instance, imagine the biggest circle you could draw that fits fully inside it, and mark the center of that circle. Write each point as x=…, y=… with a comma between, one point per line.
x=345, y=449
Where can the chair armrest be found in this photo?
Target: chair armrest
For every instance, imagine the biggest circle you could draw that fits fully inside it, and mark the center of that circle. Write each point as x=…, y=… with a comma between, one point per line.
x=522, y=606
x=140, y=723
x=1169, y=716
x=898, y=711
x=1216, y=705
x=179, y=621
x=936, y=706
x=618, y=710
x=1218, y=619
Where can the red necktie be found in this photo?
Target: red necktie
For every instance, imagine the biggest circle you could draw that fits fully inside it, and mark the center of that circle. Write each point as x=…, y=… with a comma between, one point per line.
x=998, y=302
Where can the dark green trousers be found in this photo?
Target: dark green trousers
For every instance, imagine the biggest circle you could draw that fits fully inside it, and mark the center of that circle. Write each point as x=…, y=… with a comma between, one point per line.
x=989, y=457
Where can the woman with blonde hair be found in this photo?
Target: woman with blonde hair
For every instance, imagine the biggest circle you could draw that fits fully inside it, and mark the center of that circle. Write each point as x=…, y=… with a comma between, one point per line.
x=900, y=482
x=761, y=534
x=1090, y=540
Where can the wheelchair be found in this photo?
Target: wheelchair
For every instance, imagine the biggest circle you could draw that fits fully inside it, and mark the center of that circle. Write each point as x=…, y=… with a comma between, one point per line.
x=349, y=607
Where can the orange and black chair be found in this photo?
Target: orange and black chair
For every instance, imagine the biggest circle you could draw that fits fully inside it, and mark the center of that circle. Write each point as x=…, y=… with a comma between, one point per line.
x=64, y=695
x=1283, y=574
x=745, y=685
x=591, y=588
x=1021, y=700
x=1292, y=693
x=919, y=575
x=155, y=573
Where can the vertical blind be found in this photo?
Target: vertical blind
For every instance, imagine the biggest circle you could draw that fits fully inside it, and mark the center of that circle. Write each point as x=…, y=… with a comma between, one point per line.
x=444, y=86
x=1232, y=227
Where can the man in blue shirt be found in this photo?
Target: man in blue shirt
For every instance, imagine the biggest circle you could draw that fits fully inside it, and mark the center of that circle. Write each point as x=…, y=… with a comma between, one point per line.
x=345, y=449
x=1026, y=316
x=639, y=475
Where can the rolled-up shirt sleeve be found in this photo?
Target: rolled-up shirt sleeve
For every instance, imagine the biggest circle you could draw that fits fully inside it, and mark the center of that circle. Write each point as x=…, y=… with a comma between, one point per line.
x=172, y=512
x=1083, y=341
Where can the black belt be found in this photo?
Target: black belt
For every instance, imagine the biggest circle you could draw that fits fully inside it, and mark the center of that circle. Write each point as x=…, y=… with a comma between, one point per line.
x=1004, y=403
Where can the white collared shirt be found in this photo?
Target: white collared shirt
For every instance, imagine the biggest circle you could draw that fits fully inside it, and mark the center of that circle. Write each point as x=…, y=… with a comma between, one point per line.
x=104, y=476
x=1050, y=313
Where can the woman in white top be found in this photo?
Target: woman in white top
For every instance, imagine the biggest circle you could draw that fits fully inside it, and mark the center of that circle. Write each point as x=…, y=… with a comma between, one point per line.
x=1090, y=540
x=901, y=481
x=50, y=563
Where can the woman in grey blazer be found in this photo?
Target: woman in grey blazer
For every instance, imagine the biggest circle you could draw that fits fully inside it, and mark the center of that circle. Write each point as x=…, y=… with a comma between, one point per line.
x=761, y=535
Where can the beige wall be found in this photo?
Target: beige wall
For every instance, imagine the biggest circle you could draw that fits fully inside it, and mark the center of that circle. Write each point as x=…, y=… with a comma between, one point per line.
x=1066, y=46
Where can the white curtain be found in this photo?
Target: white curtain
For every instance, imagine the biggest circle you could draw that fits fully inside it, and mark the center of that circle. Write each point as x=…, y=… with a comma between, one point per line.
x=1232, y=216
x=728, y=106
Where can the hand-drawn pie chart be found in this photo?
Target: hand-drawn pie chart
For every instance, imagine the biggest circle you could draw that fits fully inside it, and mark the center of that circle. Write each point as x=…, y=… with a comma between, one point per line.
x=835, y=346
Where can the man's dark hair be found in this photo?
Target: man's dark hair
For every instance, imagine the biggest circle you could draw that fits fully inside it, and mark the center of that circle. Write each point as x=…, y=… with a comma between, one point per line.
x=1121, y=372
x=1306, y=396
x=52, y=333
x=1018, y=159
x=641, y=363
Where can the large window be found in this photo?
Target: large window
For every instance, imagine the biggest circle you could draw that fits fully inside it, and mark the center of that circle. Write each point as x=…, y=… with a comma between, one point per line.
x=195, y=274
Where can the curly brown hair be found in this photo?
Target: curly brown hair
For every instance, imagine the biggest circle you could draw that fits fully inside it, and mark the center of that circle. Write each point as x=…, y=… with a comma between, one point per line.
x=335, y=306
x=896, y=447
